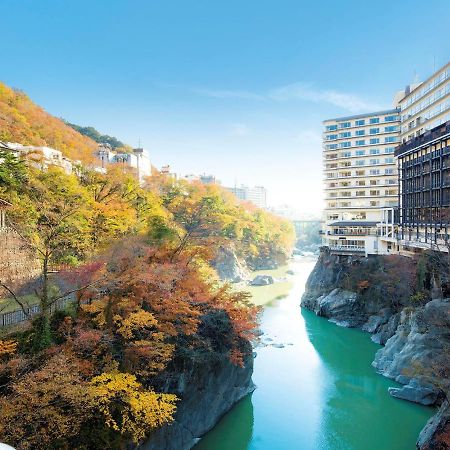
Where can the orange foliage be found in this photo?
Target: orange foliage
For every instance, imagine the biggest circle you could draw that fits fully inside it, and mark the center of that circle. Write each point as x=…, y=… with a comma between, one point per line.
x=23, y=121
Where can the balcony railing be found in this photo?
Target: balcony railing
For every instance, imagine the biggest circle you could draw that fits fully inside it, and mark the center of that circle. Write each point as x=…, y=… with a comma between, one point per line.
x=347, y=248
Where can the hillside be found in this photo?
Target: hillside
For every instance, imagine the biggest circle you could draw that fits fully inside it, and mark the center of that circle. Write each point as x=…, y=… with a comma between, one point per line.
x=23, y=121
x=92, y=133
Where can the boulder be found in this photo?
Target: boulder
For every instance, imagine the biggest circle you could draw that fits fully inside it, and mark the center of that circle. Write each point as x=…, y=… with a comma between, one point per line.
x=417, y=393
x=262, y=280
x=229, y=267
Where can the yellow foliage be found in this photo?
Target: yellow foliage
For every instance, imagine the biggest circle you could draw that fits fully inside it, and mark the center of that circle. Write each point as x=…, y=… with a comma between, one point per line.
x=7, y=348
x=140, y=410
x=134, y=321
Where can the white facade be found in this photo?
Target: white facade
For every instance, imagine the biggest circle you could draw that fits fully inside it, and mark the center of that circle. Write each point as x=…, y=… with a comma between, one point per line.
x=426, y=105
x=361, y=181
x=256, y=195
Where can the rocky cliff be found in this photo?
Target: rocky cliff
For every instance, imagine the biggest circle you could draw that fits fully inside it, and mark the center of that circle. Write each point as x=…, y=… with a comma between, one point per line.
x=229, y=267
x=416, y=340
x=206, y=391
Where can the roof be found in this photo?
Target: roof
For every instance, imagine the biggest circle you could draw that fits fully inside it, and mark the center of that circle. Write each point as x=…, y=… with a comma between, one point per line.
x=353, y=223
x=357, y=116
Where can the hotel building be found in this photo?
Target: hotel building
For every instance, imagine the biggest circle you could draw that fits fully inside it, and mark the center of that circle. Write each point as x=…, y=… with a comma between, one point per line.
x=424, y=165
x=361, y=182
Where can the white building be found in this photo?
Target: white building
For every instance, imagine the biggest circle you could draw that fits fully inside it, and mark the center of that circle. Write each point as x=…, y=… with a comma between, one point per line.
x=361, y=185
x=256, y=195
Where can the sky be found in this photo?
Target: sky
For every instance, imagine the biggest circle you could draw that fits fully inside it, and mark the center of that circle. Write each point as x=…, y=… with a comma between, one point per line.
x=235, y=88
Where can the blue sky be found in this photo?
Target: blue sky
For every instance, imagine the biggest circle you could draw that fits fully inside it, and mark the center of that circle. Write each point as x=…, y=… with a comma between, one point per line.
x=233, y=88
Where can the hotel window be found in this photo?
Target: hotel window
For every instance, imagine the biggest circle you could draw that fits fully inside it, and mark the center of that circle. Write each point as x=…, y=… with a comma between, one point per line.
x=332, y=146
x=345, y=194
x=359, y=123
x=360, y=193
x=345, y=144
x=374, y=162
x=360, y=152
x=374, y=172
x=389, y=150
x=389, y=160
x=390, y=129
x=374, y=151
x=360, y=163
x=389, y=171
x=345, y=134
x=374, y=203
x=360, y=173
x=345, y=204
x=391, y=181
x=374, y=182
x=360, y=132
x=374, y=193
x=346, y=154
x=390, y=139
x=390, y=118
x=363, y=142
x=332, y=205
x=374, y=120
x=345, y=174
x=331, y=127
x=344, y=125
x=374, y=141
x=390, y=192
x=332, y=137
x=374, y=130
x=361, y=183
x=345, y=164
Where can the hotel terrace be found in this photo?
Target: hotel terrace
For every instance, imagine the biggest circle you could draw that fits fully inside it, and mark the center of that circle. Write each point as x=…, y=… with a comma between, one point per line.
x=361, y=182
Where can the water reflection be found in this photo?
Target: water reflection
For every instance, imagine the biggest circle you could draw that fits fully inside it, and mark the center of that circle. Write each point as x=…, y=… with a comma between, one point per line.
x=317, y=392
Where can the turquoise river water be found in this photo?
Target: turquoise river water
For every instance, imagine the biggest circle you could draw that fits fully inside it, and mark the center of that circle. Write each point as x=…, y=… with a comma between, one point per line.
x=318, y=392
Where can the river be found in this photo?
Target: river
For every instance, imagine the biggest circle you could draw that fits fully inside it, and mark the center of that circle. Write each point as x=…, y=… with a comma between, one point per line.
x=316, y=389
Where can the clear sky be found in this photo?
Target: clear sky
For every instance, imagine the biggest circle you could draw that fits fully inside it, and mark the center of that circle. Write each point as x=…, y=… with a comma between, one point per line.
x=237, y=88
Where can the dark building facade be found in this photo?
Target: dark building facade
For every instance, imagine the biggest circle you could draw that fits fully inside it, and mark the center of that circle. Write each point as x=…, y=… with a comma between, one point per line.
x=424, y=187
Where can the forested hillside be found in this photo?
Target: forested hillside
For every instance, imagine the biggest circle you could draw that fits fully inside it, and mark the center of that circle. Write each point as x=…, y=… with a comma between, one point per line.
x=135, y=261
x=92, y=133
x=24, y=122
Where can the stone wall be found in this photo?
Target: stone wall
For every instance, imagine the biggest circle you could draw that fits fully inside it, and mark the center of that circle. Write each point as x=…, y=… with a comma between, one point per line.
x=18, y=265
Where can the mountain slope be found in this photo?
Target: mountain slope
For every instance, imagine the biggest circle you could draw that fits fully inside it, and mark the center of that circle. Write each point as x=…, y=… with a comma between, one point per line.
x=23, y=121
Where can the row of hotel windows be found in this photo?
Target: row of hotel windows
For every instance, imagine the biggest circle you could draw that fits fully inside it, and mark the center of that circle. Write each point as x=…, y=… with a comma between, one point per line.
x=347, y=134
x=360, y=183
x=360, y=162
x=362, y=122
x=372, y=203
x=375, y=193
x=373, y=141
x=439, y=109
x=427, y=102
x=372, y=151
x=424, y=89
x=361, y=173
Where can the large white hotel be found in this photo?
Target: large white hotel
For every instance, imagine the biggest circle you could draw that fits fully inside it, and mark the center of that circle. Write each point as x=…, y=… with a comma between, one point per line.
x=373, y=160
x=361, y=182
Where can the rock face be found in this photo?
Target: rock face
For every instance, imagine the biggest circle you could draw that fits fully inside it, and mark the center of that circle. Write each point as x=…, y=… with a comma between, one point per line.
x=420, y=345
x=229, y=267
x=436, y=433
x=416, y=341
x=207, y=392
x=262, y=280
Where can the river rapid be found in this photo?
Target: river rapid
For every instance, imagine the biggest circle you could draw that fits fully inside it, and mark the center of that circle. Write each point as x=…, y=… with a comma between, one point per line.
x=316, y=388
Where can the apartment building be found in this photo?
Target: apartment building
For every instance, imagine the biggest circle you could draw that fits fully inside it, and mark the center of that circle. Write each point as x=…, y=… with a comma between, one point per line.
x=257, y=195
x=361, y=182
x=424, y=164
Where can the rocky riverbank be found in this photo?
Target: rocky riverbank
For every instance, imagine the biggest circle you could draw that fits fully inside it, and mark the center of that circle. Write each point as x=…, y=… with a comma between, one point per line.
x=415, y=339
x=207, y=391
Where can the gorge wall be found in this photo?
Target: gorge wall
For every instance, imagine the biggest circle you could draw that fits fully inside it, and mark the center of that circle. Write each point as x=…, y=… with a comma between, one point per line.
x=415, y=337
x=206, y=391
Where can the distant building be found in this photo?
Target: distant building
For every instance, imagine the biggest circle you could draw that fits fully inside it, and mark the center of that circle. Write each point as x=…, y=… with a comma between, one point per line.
x=208, y=179
x=256, y=195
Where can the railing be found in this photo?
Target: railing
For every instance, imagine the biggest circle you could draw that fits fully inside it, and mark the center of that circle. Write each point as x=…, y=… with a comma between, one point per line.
x=17, y=316
x=347, y=248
